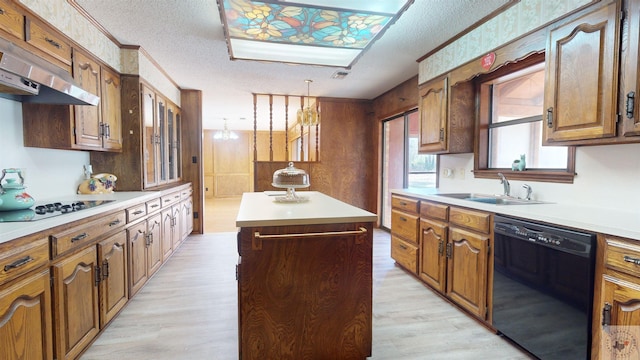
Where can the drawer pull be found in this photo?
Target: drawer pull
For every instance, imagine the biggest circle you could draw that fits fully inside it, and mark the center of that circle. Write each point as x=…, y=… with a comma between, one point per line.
x=53, y=43
x=632, y=260
x=138, y=212
x=403, y=203
x=154, y=206
x=115, y=222
x=403, y=218
x=1, y=11
x=79, y=237
x=18, y=263
x=403, y=247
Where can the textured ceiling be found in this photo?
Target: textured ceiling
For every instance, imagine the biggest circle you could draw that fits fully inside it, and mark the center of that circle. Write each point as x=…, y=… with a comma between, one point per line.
x=186, y=39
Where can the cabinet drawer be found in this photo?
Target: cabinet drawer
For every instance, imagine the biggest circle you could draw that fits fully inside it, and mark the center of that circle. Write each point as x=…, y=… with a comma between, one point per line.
x=19, y=257
x=474, y=220
x=81, y=235
x=434, y=210
x=405, y=254
x=153, y=205
x=406, y=204
x=623, y=256
x=184, y=194
x=170, y=199
x=49, y=42
x=405, y=225
x=11, y=20
x=136, y=212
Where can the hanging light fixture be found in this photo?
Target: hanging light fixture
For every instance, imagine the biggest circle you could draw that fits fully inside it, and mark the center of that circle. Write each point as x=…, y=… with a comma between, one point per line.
x=225, y=134
x=308, y=116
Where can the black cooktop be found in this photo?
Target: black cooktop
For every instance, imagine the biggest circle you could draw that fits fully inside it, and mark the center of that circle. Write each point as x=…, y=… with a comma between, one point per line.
x=44, y=210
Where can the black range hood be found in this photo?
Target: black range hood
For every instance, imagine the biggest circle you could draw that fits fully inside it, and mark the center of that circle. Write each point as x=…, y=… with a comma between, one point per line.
x=27, y=78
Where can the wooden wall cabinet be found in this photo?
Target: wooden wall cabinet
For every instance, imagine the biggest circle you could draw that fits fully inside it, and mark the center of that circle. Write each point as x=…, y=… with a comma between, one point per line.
x=447, y=117
x=583, y=107
x=79, y=127
x=629, y=103
x=151, y=156
x=616, y=312
x=12, y=20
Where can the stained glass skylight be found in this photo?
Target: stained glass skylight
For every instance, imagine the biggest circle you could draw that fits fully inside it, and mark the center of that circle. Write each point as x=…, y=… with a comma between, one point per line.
x=317, y=32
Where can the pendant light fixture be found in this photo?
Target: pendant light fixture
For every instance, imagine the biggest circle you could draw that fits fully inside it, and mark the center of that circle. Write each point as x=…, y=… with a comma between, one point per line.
x=225, y=134
x=308, y=116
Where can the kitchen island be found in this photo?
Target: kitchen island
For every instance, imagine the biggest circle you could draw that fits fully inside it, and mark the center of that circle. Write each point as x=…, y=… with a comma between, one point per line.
x=304, y=278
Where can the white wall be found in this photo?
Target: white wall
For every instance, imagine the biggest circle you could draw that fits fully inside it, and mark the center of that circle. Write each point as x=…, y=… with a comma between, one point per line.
x=607, y=177
x=48, y=173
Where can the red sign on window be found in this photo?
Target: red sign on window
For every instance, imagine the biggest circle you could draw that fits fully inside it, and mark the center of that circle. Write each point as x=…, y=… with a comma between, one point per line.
x=488, y=60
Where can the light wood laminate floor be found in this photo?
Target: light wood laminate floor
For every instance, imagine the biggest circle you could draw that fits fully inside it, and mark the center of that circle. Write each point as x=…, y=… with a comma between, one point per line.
x=188, y=310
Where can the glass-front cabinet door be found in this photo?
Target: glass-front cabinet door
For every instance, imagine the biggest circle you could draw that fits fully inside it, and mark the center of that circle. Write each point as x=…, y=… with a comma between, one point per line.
x=151, y=141
x=163, y=141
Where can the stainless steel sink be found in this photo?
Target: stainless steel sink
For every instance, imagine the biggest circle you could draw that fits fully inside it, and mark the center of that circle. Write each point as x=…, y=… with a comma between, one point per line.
x=491, y=199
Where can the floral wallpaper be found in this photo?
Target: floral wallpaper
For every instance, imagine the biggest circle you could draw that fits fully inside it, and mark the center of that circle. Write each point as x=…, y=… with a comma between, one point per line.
x=521, y=18
x=64, y=17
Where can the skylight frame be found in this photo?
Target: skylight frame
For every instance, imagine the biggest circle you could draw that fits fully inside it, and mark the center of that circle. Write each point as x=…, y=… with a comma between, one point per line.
x=279, y=27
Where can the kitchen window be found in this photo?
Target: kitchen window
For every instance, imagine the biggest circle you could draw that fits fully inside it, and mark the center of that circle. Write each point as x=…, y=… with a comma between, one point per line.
x=510, y=119
x=402, y=165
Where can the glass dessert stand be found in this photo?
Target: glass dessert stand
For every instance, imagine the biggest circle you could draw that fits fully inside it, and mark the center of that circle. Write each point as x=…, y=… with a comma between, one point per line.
x=291, y=179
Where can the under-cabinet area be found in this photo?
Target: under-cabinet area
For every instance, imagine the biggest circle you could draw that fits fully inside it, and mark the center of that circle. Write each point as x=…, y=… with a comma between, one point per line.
x=65, y=283
x=492, y=261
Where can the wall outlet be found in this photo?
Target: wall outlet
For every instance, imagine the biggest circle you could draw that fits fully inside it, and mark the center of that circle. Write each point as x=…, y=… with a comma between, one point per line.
x=460, y=173
x=447, y=172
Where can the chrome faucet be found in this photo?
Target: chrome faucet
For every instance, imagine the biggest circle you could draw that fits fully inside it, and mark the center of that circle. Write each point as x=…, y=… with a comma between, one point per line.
x=529, y=190
x=505, y=183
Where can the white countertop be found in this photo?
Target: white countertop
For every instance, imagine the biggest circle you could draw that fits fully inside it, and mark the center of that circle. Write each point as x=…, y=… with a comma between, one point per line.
x=14, y=230
x=261, y=209
x=606, y=221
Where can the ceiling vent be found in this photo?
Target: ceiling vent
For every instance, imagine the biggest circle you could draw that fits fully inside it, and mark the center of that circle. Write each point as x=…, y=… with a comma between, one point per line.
x=339, y=74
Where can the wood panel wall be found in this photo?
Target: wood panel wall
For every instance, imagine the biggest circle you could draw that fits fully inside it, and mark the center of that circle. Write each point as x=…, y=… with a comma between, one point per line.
x=191, y=142
x=228, y=164
x=346, y=170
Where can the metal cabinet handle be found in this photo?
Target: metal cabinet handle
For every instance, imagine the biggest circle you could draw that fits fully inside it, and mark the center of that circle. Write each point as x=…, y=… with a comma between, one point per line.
x=53, y=43
x=630, y=104
x=114, y=223
x=79, y=237
x=20, y=262
x=1, y=11
x=606, y=314
x=138, y=212
x=550, y=117
x=257, y=237
x=440, y=247
x=441, y=134
x=403, y=219
x=632, y=260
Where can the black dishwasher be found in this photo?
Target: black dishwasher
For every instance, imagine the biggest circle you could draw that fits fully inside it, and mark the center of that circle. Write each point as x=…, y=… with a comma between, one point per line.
x=543, y=287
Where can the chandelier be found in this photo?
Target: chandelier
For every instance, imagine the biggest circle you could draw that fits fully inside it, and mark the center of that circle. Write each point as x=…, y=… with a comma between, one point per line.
x=225, y=134
x=308, y=116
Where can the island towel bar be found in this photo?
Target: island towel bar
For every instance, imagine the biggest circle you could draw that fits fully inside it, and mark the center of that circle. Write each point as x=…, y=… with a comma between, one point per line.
x=257, y=237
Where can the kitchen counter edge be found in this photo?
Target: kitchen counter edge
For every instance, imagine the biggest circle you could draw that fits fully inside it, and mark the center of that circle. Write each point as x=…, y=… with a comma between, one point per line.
x=600, y=220
x=13, y=230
